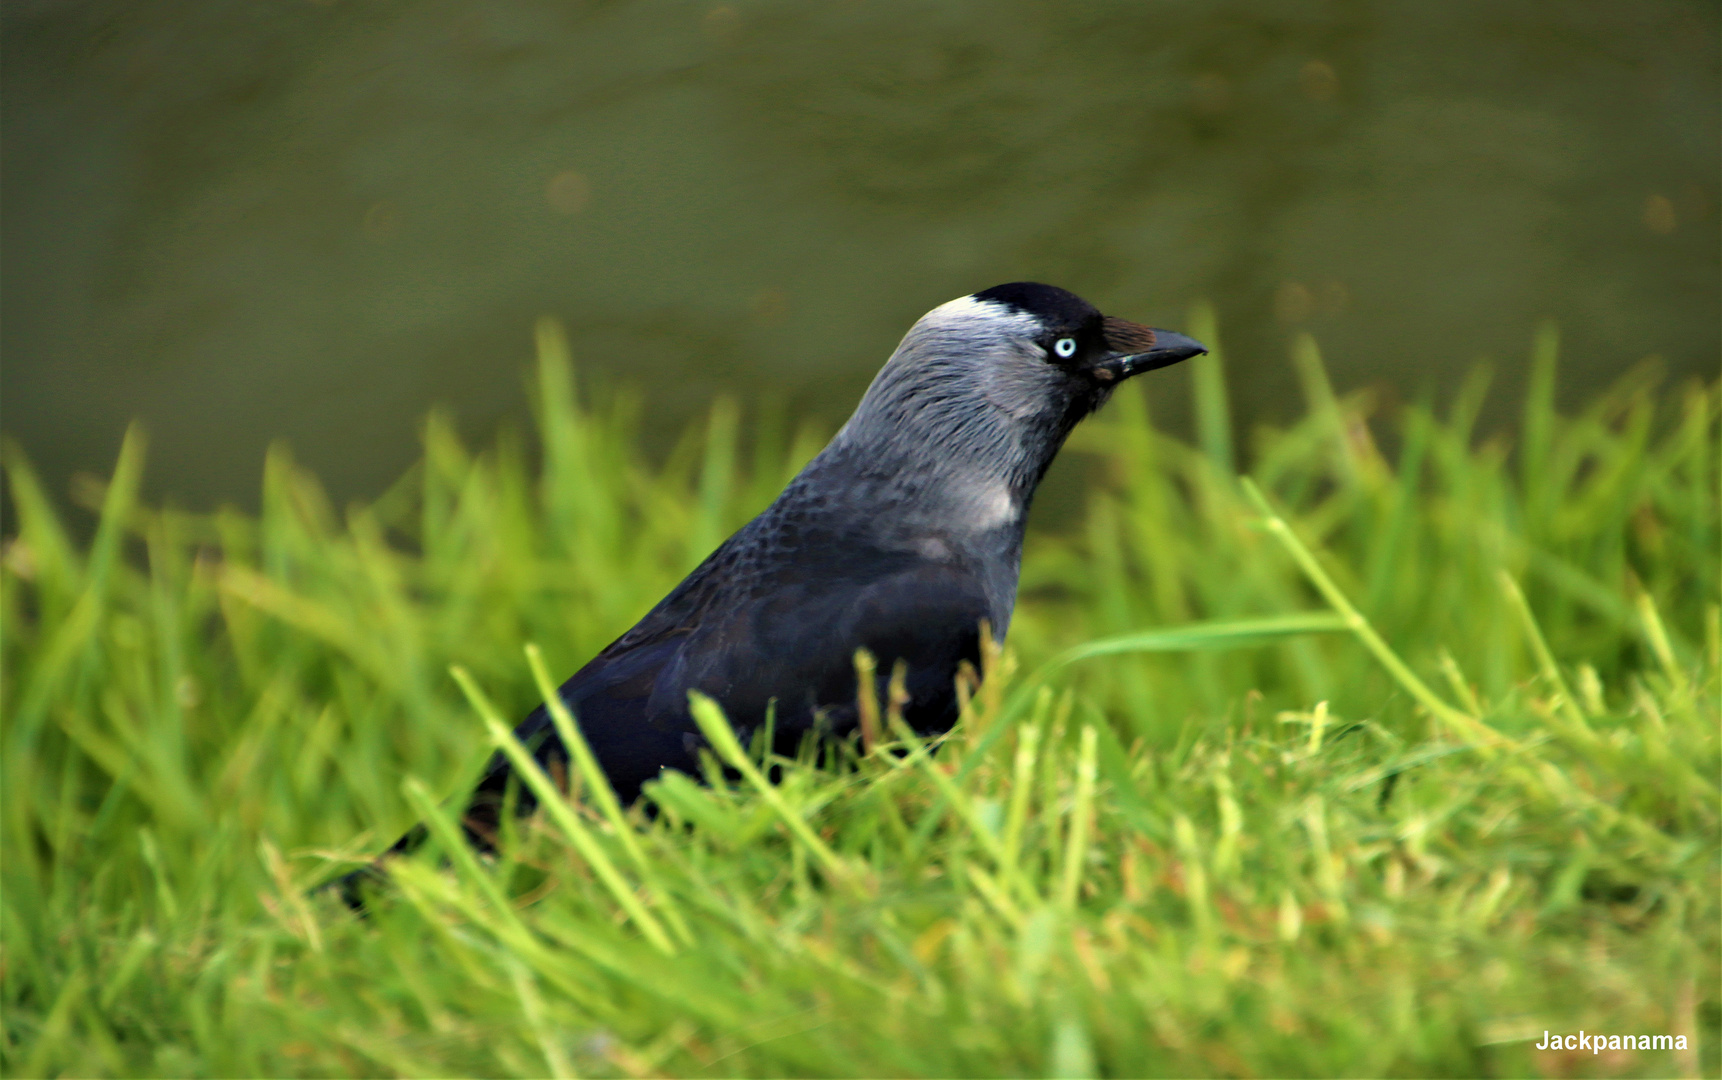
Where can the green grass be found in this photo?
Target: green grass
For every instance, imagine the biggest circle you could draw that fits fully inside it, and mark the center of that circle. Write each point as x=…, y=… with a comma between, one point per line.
x=1376, y=764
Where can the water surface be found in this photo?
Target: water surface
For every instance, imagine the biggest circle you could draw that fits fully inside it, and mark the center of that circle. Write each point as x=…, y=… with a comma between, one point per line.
x=243, y=222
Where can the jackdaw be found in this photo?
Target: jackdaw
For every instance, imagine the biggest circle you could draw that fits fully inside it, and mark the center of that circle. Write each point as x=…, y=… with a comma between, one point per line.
x=901, y=537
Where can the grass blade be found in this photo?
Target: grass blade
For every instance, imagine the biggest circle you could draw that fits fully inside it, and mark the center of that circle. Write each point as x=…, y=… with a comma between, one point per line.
x=556, y=805
x=722, y=738
x=1461, y=722
x=598, y=785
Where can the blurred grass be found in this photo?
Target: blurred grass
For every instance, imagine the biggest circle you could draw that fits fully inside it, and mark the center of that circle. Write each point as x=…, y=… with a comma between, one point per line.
x=1376, y=765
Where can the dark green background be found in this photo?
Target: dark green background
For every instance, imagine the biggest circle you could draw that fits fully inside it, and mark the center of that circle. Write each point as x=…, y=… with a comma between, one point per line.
x=245, y=221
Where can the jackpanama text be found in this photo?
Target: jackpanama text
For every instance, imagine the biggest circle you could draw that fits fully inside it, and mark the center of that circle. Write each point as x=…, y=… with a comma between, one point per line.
x=1596, y=1044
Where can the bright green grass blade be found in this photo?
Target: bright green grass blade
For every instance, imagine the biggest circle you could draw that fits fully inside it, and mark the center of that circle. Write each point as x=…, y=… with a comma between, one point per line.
x=1192, y=637
x=1354, y=620
x=721, y=736
x=556, y=804
x=602, y=793
x=1081, y=823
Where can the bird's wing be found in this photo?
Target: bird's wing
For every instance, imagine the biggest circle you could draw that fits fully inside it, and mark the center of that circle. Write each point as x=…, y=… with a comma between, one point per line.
x=608, y=697
x=611, y=694
x=790, y=646
x=796, y=645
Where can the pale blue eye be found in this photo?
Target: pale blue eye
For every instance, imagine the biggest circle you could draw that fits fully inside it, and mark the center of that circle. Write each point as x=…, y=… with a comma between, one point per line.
x=1065, y=347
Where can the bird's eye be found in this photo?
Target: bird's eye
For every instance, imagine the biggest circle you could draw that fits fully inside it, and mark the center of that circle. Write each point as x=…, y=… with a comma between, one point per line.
x=1065, y=347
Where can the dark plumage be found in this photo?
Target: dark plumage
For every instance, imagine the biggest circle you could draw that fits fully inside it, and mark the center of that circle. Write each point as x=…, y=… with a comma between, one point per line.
x=901, y=537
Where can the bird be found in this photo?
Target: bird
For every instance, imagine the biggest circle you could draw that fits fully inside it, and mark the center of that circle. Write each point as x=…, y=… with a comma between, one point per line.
x=903, y=537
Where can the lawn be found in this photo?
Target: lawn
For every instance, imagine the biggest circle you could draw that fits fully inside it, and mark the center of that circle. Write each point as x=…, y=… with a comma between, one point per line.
x=1375, y=762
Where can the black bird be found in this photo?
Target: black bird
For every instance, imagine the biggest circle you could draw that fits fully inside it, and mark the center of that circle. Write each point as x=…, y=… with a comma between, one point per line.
x=901, y=537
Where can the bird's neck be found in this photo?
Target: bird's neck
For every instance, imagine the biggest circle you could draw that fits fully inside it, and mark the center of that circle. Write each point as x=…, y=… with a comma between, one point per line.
x=920, y=491
x=934, y=451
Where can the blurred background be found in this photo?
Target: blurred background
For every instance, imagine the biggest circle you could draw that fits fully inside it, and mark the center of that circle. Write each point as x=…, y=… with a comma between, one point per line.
x=244, y=221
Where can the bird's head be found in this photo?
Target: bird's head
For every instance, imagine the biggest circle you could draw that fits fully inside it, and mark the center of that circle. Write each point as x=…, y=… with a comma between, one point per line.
x=1004, y=374
x=1066, y=332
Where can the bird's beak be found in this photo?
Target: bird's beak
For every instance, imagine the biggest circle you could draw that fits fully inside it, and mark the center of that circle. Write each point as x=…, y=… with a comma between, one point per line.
x=1135, y=348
